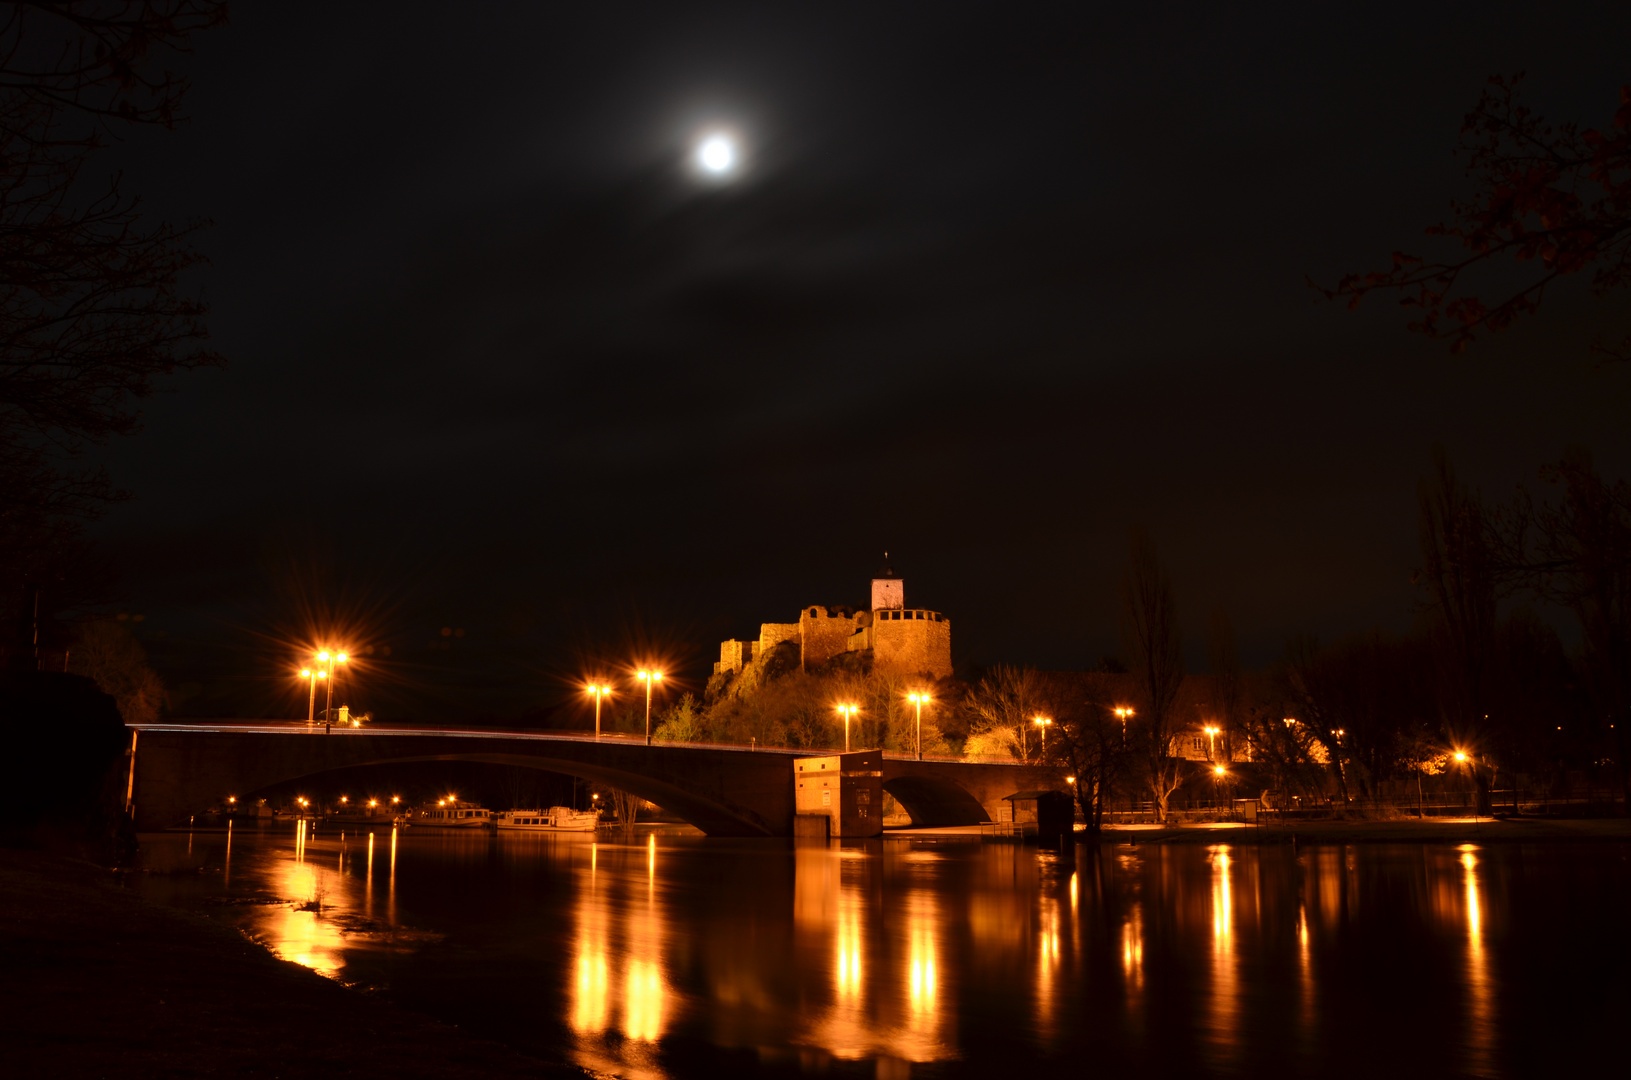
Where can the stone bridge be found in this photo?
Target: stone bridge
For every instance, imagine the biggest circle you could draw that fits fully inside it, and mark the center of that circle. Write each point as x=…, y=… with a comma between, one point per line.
x=183, y=769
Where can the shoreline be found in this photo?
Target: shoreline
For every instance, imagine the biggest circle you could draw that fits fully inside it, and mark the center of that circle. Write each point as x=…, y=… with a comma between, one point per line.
x=101, y=982
x=1499, y=830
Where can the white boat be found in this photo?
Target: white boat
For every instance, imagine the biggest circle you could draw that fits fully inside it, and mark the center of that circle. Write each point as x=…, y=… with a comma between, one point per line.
x=452, y=814
x=555, y=819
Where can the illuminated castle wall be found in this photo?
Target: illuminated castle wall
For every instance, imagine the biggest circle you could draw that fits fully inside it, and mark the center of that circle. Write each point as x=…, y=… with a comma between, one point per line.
x=912, y=641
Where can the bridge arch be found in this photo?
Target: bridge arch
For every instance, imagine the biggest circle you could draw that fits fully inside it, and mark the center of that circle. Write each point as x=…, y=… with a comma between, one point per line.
x=936, y=801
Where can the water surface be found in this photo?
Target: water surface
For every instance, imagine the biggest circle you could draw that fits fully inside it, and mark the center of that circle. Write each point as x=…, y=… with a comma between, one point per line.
x=664, y=955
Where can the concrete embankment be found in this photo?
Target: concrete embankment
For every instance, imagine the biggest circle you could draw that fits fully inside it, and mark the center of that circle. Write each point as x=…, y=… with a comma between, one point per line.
x=96, y=982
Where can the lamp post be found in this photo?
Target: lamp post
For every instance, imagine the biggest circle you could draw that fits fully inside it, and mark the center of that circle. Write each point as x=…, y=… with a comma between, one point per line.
x=1043, y=722
x=1123, y=712
x=312, y=676
x=599, y=692
x=1218, y=773
x=919, y=700
x=847, y=711
x=1211, y=745
x=323, y=656
x=649, y=677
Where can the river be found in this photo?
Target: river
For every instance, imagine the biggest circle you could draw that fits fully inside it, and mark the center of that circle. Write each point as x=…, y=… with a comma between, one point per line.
x=667, y=954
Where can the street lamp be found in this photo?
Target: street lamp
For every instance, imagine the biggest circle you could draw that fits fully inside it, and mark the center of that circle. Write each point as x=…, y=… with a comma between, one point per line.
x=649, y=677
x=847, y=711
x=599, y=692
x=1218, y=773
x=1211, y=745
x=323, y=656
x=919, y=700
x=1123, y=712
x=311, y=699
x=1043, y=722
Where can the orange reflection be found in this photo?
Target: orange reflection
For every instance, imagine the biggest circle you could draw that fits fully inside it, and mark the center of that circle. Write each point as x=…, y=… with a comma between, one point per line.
x=299, y=933
x=1224, y=1004
x=1047, y=963
x=643, y=1001
x=1222, y=899
x=920, y=1041
x=1132, y=947
x=847, y=977
x=226, y=866
x=644, y=988
x=1305, y=973
x=368, y=886
x=590, y=990
x=1480, y=989
x=390, y=885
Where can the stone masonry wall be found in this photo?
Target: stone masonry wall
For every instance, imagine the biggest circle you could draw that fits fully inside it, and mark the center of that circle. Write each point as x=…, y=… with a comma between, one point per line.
x=733, y=655
x=825, y=634
x=917, y=643
x=772, y=634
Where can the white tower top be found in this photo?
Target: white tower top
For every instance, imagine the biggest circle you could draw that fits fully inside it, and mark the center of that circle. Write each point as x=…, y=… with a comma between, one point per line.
x=888, y=591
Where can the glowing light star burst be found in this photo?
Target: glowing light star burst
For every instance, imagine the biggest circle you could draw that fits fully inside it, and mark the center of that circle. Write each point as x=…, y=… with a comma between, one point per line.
x=717, y=155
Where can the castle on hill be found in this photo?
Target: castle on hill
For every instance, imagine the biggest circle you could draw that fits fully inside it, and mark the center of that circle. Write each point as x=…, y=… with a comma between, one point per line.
x=912, y=641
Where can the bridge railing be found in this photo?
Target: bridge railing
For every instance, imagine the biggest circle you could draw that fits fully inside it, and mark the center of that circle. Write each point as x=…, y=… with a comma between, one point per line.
x=300, y=727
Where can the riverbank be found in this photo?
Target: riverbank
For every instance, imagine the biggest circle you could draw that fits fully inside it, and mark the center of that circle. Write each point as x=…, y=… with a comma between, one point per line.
x=96, y=982
x=1402, y=831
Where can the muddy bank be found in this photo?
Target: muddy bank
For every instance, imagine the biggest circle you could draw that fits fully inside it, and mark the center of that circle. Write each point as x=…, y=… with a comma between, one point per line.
x=97, y=982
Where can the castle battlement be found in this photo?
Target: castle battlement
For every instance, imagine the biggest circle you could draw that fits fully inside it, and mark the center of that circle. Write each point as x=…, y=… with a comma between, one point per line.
x=911, y=640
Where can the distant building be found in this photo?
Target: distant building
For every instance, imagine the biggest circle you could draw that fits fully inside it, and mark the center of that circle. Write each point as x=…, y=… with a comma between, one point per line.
x=910, y=640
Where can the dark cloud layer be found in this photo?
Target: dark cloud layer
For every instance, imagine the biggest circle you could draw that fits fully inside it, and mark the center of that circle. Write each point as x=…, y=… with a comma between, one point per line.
x=997, y=284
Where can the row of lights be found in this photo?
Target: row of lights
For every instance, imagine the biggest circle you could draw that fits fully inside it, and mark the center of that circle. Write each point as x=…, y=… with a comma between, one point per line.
x=314, y=675
x=650, y=676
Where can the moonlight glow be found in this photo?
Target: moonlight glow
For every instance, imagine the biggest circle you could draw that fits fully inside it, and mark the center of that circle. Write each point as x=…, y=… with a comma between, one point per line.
x=716, y=155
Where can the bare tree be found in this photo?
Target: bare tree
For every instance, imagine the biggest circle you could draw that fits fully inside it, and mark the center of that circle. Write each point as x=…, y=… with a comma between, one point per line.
x=1155, y=648
x=1459, y=576
x=91, y=312
x=1227, y=682
x=1003, y=707
x=1576, y=552
x=1548, y=201
x=116, y=661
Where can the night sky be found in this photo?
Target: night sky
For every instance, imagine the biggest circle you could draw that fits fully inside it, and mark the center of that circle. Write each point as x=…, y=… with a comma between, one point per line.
x=994, y=284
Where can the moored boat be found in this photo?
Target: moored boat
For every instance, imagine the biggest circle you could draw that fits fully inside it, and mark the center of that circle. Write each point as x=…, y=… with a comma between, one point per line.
x=453, y=814
x=555, y=819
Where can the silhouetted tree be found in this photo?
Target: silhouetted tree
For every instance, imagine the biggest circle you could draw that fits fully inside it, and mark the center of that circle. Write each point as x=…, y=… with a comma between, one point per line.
x=1459, y=575
x=1555, y=200
x=1576, y=551
x=1227, y=680
x=116, y=661
x=1002, y=707
x=1149, y=615
x=91, y=313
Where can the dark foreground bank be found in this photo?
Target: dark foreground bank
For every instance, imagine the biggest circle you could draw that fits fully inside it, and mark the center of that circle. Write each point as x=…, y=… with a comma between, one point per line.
x=95, y=982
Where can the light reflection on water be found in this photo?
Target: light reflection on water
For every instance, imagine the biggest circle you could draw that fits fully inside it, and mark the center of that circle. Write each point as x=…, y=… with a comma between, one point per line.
x=626, y=955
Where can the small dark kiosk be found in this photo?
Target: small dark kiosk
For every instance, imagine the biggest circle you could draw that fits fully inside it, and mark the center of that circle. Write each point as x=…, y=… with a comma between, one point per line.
x=1047, y=815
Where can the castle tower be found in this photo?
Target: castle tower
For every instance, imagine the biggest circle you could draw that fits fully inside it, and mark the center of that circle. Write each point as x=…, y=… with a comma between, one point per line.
x=888, y=591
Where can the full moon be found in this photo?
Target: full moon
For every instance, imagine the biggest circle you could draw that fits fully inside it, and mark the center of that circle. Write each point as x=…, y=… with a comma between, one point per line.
x=716, y=155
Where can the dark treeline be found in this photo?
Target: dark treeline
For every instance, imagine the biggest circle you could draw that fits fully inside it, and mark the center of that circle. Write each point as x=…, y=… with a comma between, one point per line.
x=1484, y=685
